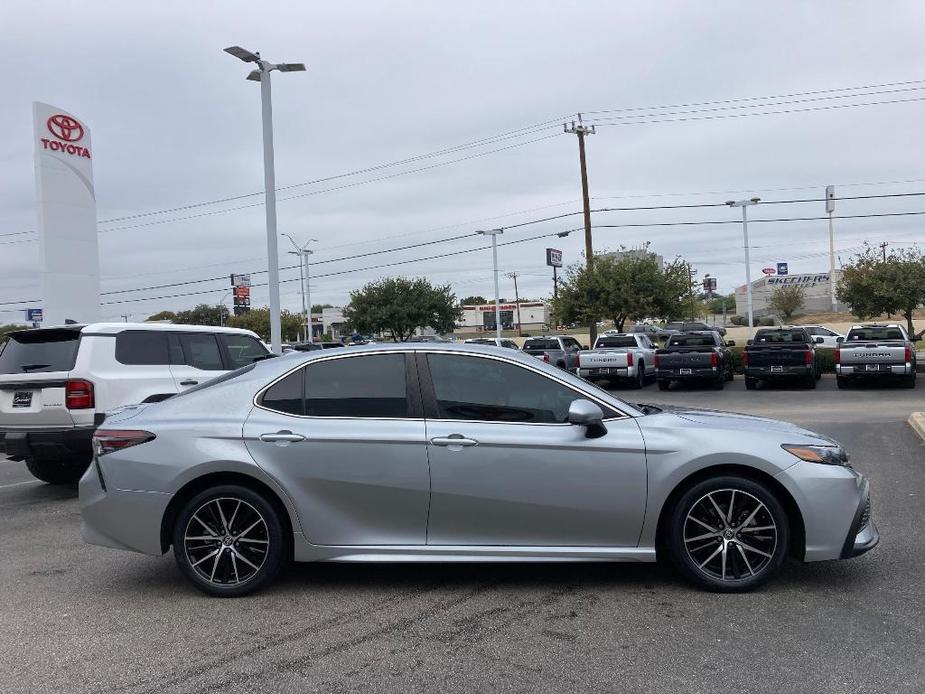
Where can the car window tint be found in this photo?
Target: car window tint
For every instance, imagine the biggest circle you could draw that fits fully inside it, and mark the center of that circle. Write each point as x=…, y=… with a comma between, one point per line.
x=541, y=344
x=142, y=347
x=363, y=386
x=467, y=387
x=604, y=342
x=242, y=349
x=765, y=336
x=286, y=395
x=32, y=351
x=201, y=351
x=692, y=340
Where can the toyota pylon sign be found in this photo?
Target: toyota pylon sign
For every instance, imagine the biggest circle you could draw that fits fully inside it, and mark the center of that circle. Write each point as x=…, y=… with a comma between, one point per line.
x=66, y=202
x=768, y=270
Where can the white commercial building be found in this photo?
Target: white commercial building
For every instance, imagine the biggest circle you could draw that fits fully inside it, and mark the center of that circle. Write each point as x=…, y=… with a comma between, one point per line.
x=816, y=290
x=534, y=317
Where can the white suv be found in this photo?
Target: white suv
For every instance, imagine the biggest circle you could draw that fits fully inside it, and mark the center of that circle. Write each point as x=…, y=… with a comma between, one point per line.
x=56, y=384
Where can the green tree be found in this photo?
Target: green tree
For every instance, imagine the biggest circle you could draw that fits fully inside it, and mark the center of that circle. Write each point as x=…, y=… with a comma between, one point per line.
x=163, y=315
x=787, y=300
x=202, y=314
x=473, y=300
x=258, y=320
x=4, y=329
x=318, y=308
x=872, y=285
x=630, y=287
x=400, y=306
x=716, y=303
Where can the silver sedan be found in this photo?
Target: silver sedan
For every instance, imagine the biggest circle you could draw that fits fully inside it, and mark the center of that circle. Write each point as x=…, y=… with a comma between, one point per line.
x=454, y=453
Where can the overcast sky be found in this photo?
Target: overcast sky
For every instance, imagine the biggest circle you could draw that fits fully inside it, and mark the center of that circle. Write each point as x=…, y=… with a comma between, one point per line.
x=174, y=123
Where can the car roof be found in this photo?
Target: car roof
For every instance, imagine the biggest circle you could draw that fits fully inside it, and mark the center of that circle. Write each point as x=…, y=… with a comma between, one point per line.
x=115, y=328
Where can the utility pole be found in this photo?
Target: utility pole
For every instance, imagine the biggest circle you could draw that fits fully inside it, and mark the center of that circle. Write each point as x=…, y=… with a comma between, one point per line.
x=883, y=247
x=514, y=276
x=494, y=233
x=829, y=210
x=581, y=130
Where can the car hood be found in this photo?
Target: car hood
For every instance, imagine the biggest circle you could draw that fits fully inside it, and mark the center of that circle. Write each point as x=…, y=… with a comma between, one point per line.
x=733, y=421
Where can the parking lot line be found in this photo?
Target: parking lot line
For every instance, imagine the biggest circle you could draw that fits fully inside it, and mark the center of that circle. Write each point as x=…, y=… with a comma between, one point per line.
x=20, y=484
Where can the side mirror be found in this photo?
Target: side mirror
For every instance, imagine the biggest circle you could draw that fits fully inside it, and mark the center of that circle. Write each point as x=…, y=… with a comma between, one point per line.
x=585, y=413
x=730, y=343
x=585, y=347
x=819, y=340
x=839, y=339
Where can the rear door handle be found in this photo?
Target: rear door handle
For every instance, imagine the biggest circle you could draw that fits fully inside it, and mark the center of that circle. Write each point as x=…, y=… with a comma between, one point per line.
x=453, y=440
x=189, y=383
x=283, y=438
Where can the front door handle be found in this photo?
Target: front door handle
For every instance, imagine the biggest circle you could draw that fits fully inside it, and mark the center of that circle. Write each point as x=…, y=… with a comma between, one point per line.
x=282, y=438
x=453, y=441
x=189, y=383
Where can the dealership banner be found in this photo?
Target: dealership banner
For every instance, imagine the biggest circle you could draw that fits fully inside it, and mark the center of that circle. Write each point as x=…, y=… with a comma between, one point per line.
x=66, y=204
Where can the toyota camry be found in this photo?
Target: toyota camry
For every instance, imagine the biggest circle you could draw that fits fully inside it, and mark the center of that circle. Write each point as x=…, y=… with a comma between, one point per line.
x=435, y=452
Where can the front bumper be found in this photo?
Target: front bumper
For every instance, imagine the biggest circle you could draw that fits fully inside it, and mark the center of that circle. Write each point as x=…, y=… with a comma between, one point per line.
x=47, y=444
x=120, y=518
x=863, y=535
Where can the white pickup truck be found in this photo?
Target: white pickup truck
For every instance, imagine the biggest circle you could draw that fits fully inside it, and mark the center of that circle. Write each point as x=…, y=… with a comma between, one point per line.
x=875, y=351
x=619, y=357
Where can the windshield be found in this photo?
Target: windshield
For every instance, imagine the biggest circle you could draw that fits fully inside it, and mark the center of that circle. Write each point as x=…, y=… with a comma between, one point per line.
x=874, y=333
x=31, y=351
x=605, y=342
x=692, y=341
x=773, y=336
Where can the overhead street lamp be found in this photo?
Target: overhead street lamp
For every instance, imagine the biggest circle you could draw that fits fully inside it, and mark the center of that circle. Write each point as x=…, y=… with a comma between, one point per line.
x=304, y=281
x=494, y=259
x=262, y=75
x=748, y=271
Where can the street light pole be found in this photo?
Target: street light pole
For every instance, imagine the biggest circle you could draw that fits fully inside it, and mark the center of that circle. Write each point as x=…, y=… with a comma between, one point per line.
x=494, y=259
x=262, y=75
x=748, y=271
x=303, y=253
x=514, y=276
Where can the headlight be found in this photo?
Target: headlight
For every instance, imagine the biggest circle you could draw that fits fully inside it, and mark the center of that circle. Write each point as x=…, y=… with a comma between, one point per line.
x=828, y=455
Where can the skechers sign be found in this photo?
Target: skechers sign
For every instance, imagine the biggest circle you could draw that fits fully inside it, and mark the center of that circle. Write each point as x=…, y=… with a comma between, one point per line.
x=800, y=279
x=67, y=130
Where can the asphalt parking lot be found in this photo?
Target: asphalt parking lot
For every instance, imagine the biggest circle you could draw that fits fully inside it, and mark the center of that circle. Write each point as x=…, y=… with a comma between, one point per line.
x=77, y=618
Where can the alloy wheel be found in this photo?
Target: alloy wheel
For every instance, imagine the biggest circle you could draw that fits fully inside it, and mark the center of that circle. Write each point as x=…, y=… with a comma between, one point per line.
x=730, y=535
x=226, y=541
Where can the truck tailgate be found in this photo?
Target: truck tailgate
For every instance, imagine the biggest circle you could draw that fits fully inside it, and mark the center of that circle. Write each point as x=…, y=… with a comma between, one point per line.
x=602, y=359
x=873, y=354
x=685, y=360
x=790, y=356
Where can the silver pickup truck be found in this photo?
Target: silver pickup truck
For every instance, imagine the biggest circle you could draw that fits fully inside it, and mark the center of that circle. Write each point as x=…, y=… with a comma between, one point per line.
x=558, y=350
x=619, y=357
x=875, y=351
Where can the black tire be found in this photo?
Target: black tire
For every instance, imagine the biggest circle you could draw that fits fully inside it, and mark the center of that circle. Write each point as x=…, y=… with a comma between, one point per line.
x=810, y=381
x=664, y=384
x=57, y=471
x=640, y=380
x=212, y=508
x=763, y=549
x=730, y=374
x=909, y=381
x=719, y=382
x=841, y=382
x=751, y=383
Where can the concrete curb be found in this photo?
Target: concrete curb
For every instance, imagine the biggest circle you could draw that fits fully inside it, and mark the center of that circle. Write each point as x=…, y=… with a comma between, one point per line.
x=917, y=422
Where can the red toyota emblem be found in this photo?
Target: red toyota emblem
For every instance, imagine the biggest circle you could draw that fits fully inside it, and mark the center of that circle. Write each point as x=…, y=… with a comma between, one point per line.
x=65, y=128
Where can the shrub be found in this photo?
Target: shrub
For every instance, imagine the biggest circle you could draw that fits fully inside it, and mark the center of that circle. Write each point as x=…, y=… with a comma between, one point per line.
x=739, y=320
x=767, y=321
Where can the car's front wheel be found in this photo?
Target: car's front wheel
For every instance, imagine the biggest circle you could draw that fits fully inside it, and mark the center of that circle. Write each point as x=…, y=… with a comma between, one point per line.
x=229, y=541
x=728, y=534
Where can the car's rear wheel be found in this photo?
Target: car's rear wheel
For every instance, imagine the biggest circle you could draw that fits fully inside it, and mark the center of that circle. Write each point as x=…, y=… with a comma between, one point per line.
x=909, y=381
x=664, y=384
x=728, y=534
x=751, y=383
x=841, y=382
x=229, y=541
x=810, y=381
x=640, y=380
x=719, y=382
x=57, y=470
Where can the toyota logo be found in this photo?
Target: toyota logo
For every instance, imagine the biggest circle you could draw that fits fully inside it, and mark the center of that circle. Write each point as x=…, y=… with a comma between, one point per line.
x=65, y=128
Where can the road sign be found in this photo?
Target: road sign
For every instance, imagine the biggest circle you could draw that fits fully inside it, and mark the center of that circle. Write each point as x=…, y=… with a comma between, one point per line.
x=829, y=199
x=34, y=315
x=709, y=284
x=241, y=291
x=768, y=270
x=243, y=280
x=783, y=268
x=554, y=257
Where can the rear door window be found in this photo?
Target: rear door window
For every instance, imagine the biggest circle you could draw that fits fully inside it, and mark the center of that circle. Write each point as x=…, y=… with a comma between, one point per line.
x=33, y=351
x=200, y=350
x=142, y=347
x=364, y=386
x=242, y=349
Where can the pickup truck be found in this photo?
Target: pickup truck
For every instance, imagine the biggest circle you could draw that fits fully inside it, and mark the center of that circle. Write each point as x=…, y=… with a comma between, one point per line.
x=694, y=356
x=619, y=357
x=781, y=354
x=558, y=350
x=870, y=351
x=690, y=327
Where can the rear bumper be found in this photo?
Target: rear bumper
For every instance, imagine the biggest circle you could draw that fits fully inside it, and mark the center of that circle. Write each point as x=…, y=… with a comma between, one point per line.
x=765, y=372
x=692, y=373
x=862, y=370
x=47, y=443
x=607, y=372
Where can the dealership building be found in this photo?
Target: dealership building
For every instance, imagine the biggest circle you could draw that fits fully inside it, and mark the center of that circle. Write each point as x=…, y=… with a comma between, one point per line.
x=816, y=289
x=534, y=317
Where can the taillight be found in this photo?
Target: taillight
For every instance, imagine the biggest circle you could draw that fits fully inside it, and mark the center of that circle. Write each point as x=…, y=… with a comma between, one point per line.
x=629, y=358
x=744, y=358
x=808, y=356
x=109, y=440
x=78, y=394
x=714, y=360
x=838, y=355
x=546, y=357
x=908, y=354
x=655, y=359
